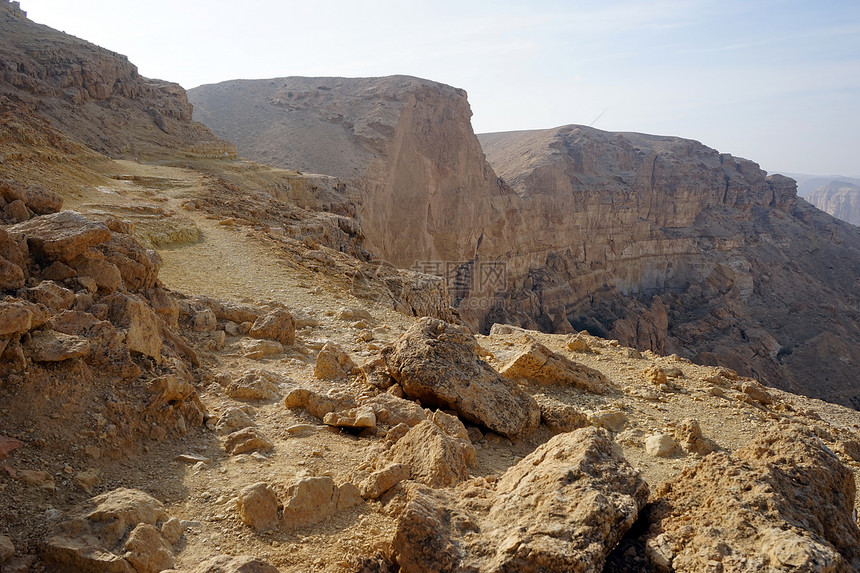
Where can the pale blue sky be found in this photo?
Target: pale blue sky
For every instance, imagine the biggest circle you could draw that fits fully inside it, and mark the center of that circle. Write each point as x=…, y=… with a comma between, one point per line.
x=775, y=81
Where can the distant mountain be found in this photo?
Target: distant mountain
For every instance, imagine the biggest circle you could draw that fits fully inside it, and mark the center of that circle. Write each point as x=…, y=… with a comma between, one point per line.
x=839, y=198
x=806, y=183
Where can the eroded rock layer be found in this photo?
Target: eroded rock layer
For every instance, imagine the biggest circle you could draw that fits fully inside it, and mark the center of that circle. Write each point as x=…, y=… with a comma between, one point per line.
x=660, y=242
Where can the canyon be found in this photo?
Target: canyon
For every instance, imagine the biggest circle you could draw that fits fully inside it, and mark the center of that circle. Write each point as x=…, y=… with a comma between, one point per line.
x=212, y=365
x=659, y=242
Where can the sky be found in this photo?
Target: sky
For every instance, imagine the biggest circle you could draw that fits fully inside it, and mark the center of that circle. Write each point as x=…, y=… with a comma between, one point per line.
x=775, y=81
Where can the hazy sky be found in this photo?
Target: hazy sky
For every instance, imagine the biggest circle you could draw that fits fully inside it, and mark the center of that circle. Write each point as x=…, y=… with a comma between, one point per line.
x=775, y=81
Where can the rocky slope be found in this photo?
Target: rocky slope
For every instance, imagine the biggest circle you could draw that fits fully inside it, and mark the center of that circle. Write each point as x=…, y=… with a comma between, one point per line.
x=200, y=373
x=839, y=198
x=660, y=242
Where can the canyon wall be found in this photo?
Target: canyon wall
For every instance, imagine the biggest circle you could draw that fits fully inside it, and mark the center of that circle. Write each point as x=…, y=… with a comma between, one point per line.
x=839, y=198
x=92, y=95
x=660, y=242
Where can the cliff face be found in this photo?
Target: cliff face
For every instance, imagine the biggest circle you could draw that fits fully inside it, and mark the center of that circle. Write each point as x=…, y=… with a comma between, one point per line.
x=839, y=198
x=92, y=95
x=660, y=242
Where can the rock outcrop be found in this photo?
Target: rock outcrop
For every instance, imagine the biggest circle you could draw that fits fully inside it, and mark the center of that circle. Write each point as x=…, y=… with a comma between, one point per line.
x=659, y=242
x=93, y=96
x=839, y=198
x=561, y=509
x=437, y=363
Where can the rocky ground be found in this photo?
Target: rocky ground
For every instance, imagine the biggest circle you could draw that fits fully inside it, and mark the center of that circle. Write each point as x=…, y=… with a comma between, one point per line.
x=293, y=452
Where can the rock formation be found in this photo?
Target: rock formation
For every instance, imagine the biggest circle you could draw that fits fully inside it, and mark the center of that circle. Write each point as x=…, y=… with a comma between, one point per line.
x=839, y=198
x=659, y=242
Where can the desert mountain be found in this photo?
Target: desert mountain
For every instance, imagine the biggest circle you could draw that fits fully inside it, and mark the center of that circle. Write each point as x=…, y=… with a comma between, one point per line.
x=659, y=242
x=204, y=369
x=839, y=198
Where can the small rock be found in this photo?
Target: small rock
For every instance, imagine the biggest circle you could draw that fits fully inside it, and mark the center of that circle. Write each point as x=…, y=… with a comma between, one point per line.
x=655, y=375
x=578, y=344
x=660, y=445
x=383, y=480
x=7, y=549
x=258, y=506
x=247, y=440
x=257, y=349
x=612, y=420
x=313, y=499
x=147, y=550
x=360, y=417
x=233, y=419
x=276, y=325
x=87, y=479
x=333, y=363
x=192, y=459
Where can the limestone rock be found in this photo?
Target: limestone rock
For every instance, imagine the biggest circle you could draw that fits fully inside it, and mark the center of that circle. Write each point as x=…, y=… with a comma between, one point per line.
x=689, y=435
x=558, y=416
x=87, y=480
x=61, y=236
x=392, y=410
x=51, y=346
x=35, y=197
x=17, y=317
x=52, y=295
x=231, y=420
x=258, y=506
x=661, y=445
x=333, y=362
x=105, y=274
x=432, y=456
x=383, y=480
x=783, y=502
x=138, y=321
x=654, y=375
x=92, y=540
x=247, y=440
x=316, y=405
x=147, y=550
x=138, y=266
x=561, y=509
x=539, y=363
x=254, y=385
x=359, y=418
x=436, y=363
x=258, y=349
x=275, y=325
x=313, y=499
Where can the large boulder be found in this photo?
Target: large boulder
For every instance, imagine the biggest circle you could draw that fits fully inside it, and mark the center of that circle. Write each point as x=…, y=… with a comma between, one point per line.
x=561, y=509
x=542, y=365
x=437, y=363
x=784, y=502
x=313, y=499
x=277, y=325
x=61, y=236
x=121, y=531
x=433, y=456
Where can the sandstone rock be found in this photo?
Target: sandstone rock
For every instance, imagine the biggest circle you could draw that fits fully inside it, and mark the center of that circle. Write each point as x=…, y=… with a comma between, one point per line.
x=17, y=212
x=258, y=349
x=7, y=549
x=578, y=344
x=612, y=420
x=204, y=320
x=231, y=420
x=61, y=236
x=91, y=540
x=258, y=506
x=225, y=564
x=316, y=405
x=783, y=502
x=392, y=410
x=539, y=363
x=52, y=295
x=51, y=346
x=247, y=440
x=333, y=362
x=562, y=508
x=231, y=311
x=107, y=349
x=756, y=392
x=376, y=374
x=17, y=317
x=138, y=267
x=106, y=275
x=558, y=416
x=254, y=385
x=313, y=499
x=654, y=375
x=275, y=325
x=37, y=198
x=164, y=305
x=383, y=480
x=58, y=271
x=432, y=456
x=436, y=363
x=138, y=321
x=147, y=550
x=37, y=478
x=170, y=388
x=660, y=445
x=449, y=424
x=87, y=480
x=359, y=417
x=11, y=275
x=689, y=435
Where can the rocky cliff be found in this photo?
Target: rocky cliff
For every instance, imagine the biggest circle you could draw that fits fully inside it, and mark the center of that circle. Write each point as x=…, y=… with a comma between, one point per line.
x=839, y=198
x=92, y=95
x=660, y=242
